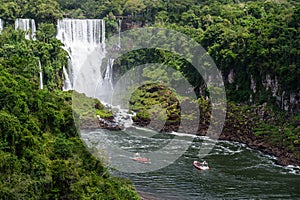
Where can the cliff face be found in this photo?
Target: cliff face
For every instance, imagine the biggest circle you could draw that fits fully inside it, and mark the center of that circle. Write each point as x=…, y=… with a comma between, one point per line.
x=264, y=88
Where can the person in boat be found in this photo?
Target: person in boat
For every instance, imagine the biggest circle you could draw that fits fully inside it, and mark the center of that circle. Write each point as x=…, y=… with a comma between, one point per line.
x=201, y=165
x=136, y=155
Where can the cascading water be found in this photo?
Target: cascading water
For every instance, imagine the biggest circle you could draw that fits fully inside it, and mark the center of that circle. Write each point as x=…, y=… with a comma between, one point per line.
x=103, y=32
x=27, y=25
x=41, y=75
x=68, y=85
x=1, y=25
x=106, y=84
x=119, y=33
x=83, y=38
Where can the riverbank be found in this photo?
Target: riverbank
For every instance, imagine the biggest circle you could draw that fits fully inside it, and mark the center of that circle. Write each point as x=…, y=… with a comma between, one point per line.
x=236, y=130
x=260, y=127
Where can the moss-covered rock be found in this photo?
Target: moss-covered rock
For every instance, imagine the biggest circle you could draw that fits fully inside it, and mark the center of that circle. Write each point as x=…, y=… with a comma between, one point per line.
x=156, y=107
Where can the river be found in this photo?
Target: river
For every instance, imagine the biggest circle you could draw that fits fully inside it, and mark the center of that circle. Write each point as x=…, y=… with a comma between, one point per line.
x=236, y=172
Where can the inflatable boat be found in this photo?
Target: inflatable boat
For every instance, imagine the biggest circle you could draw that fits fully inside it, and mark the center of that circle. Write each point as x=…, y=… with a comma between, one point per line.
x=201, y=165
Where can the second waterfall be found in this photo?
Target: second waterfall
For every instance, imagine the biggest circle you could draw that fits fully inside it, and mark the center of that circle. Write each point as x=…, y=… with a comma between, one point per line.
x=84, y=39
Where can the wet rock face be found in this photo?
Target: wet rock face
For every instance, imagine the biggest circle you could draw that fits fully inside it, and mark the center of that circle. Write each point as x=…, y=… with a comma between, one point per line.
x=93, y=123
x=89, y=124
x=109, y=124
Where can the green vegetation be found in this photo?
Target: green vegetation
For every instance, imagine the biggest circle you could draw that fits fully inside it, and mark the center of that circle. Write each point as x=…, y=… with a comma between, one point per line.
x=84, y=106
x=20, y=56
x=41, y=154
x=254, y=42
x=158, y=108
x=270, y=126
x=86, y=109
x=40, y=10
x=155, y=101
x=281, y=131
x=243, y=37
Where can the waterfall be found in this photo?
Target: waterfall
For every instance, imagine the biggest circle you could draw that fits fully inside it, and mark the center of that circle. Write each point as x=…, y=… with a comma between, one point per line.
x=108, y=73
x=103, y=32
x=105, y=88
x=107, y=84
x=68, y=85
x=83, y=38
x=1, y=25
x=41, y=75
x=27, y=25
x=119, y=33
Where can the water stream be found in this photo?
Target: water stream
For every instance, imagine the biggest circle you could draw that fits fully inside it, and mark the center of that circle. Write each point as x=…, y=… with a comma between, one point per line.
x=236, y=172
x=27, y=25
x=41, y=75
x=1, y=25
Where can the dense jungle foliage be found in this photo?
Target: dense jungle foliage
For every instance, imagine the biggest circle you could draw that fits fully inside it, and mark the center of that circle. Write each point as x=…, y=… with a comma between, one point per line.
x=42, y=156
x=256, y=42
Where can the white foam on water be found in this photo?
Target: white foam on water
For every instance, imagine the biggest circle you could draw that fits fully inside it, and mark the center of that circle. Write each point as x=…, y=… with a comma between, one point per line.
x=183, y=134
x=291, y=169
